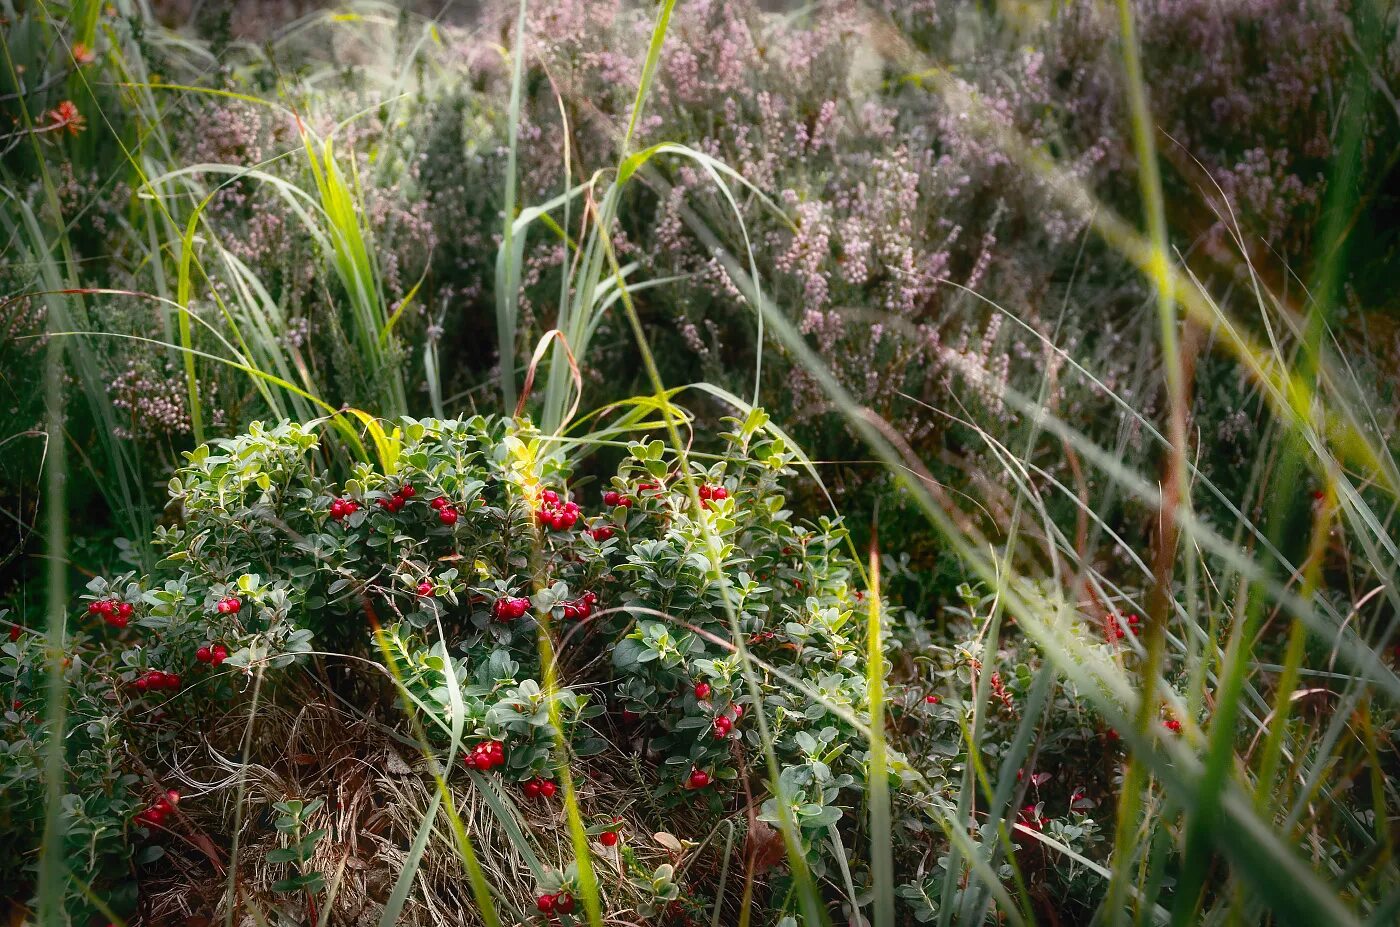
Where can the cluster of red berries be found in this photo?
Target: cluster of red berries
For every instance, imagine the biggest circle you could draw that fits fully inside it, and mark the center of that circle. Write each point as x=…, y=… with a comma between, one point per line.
x=601, y=532
x=559, y=903
x=115, y=613
x=447, y=512
x=725, y=721
x=486, y=756
x=698, y=779
x=582, y=607
x=157, y=679
x=399, y=499
x=556, y=514
x=612, y=499
x=1114, y=630
x=229, y=606
x=341, y=508
x=508, y=608
x=539, y=788
x=708, y=492
x=162, y=809
x=213, y=654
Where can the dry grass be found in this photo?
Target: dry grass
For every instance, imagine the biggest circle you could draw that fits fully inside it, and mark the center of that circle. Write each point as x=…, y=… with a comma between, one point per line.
x=377, y=791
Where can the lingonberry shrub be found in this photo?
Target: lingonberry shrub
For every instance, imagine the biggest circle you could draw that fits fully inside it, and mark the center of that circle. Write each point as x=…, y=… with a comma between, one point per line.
x=649, y=589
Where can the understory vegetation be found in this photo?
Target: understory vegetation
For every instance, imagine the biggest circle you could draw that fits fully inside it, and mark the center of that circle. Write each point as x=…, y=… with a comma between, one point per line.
x=699, y=463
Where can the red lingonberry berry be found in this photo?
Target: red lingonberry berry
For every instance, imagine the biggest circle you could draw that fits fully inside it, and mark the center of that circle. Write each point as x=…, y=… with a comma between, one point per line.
x=570, y=610
x=118, y=621
x=611, y=498
x=563, y=902
x=94, y=608
x=933, y=699
x=547, y=789
x=629, y=716
x=720, y=494
x=438, y=503
x=220, y=654
x=425, y=588
x=705, y=492
x=125, y=610
x=447, y=515
x=723, y=726
x=545, y=903
x=601, y=532
x=702, y=690
x=204, y=655
x=396, y=504
x=698, y=779
x=407, y=491
x=531, y=788
x=549, y=496
x=15, y=632
x=608, y=838
x=172, y=680
x=142, y=683
x=1172, y=725
x=518, y=607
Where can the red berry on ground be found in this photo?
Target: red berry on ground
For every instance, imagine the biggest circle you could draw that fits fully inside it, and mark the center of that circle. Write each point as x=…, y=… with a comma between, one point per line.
x=563, y=902
x=702, y=690
x=608, y=838
x=547, y=789
x=545, y=903
x=531, y=788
